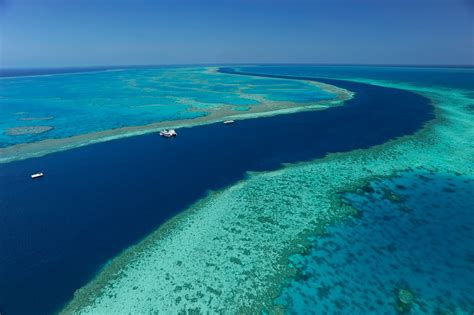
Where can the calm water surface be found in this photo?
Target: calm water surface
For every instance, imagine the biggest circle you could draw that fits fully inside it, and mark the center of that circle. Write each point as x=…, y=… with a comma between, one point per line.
x=97, y=200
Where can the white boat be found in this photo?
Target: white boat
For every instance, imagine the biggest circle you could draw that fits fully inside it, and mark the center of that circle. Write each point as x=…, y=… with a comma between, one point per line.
x=228, y=122
x=168, y=133
x=37, y=175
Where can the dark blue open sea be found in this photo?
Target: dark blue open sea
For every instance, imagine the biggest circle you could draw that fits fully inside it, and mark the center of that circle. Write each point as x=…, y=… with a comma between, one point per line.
x=95, y=201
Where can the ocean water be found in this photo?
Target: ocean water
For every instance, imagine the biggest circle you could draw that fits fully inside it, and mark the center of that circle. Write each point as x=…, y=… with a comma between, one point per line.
x=408, y=249
x=97, y=200
x=69, y=104
x=229, y=252
x=454, y=77
x=413, y=235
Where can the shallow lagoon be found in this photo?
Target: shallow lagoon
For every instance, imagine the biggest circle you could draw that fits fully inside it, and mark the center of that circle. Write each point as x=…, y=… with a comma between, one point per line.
x=413, y=233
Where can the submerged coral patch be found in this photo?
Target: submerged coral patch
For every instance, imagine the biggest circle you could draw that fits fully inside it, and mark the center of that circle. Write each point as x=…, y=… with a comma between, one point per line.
x=27, y=130
x=35, y=118
x=410, y=261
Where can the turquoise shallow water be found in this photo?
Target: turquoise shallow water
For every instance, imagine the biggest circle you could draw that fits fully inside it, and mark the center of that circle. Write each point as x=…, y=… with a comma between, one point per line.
x=414, y=233
x=79, y=103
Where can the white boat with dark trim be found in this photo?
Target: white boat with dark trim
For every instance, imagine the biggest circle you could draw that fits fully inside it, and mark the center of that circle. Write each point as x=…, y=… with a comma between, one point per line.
x=228, y=122
x=37, y=175
x=168, y=133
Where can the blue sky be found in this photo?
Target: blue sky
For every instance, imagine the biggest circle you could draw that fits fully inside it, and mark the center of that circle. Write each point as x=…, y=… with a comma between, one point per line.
x=58, y=33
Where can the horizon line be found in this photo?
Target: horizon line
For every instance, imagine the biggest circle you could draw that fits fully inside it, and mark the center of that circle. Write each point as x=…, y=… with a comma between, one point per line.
x=233, y=64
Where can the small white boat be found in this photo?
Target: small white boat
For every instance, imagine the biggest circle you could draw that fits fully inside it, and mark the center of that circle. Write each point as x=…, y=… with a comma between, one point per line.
x=228, y=122
x=168, y=133
x=37, y=175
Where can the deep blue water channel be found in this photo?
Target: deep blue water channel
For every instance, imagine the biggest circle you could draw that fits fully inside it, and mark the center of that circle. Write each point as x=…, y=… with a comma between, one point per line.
x=95, y=201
